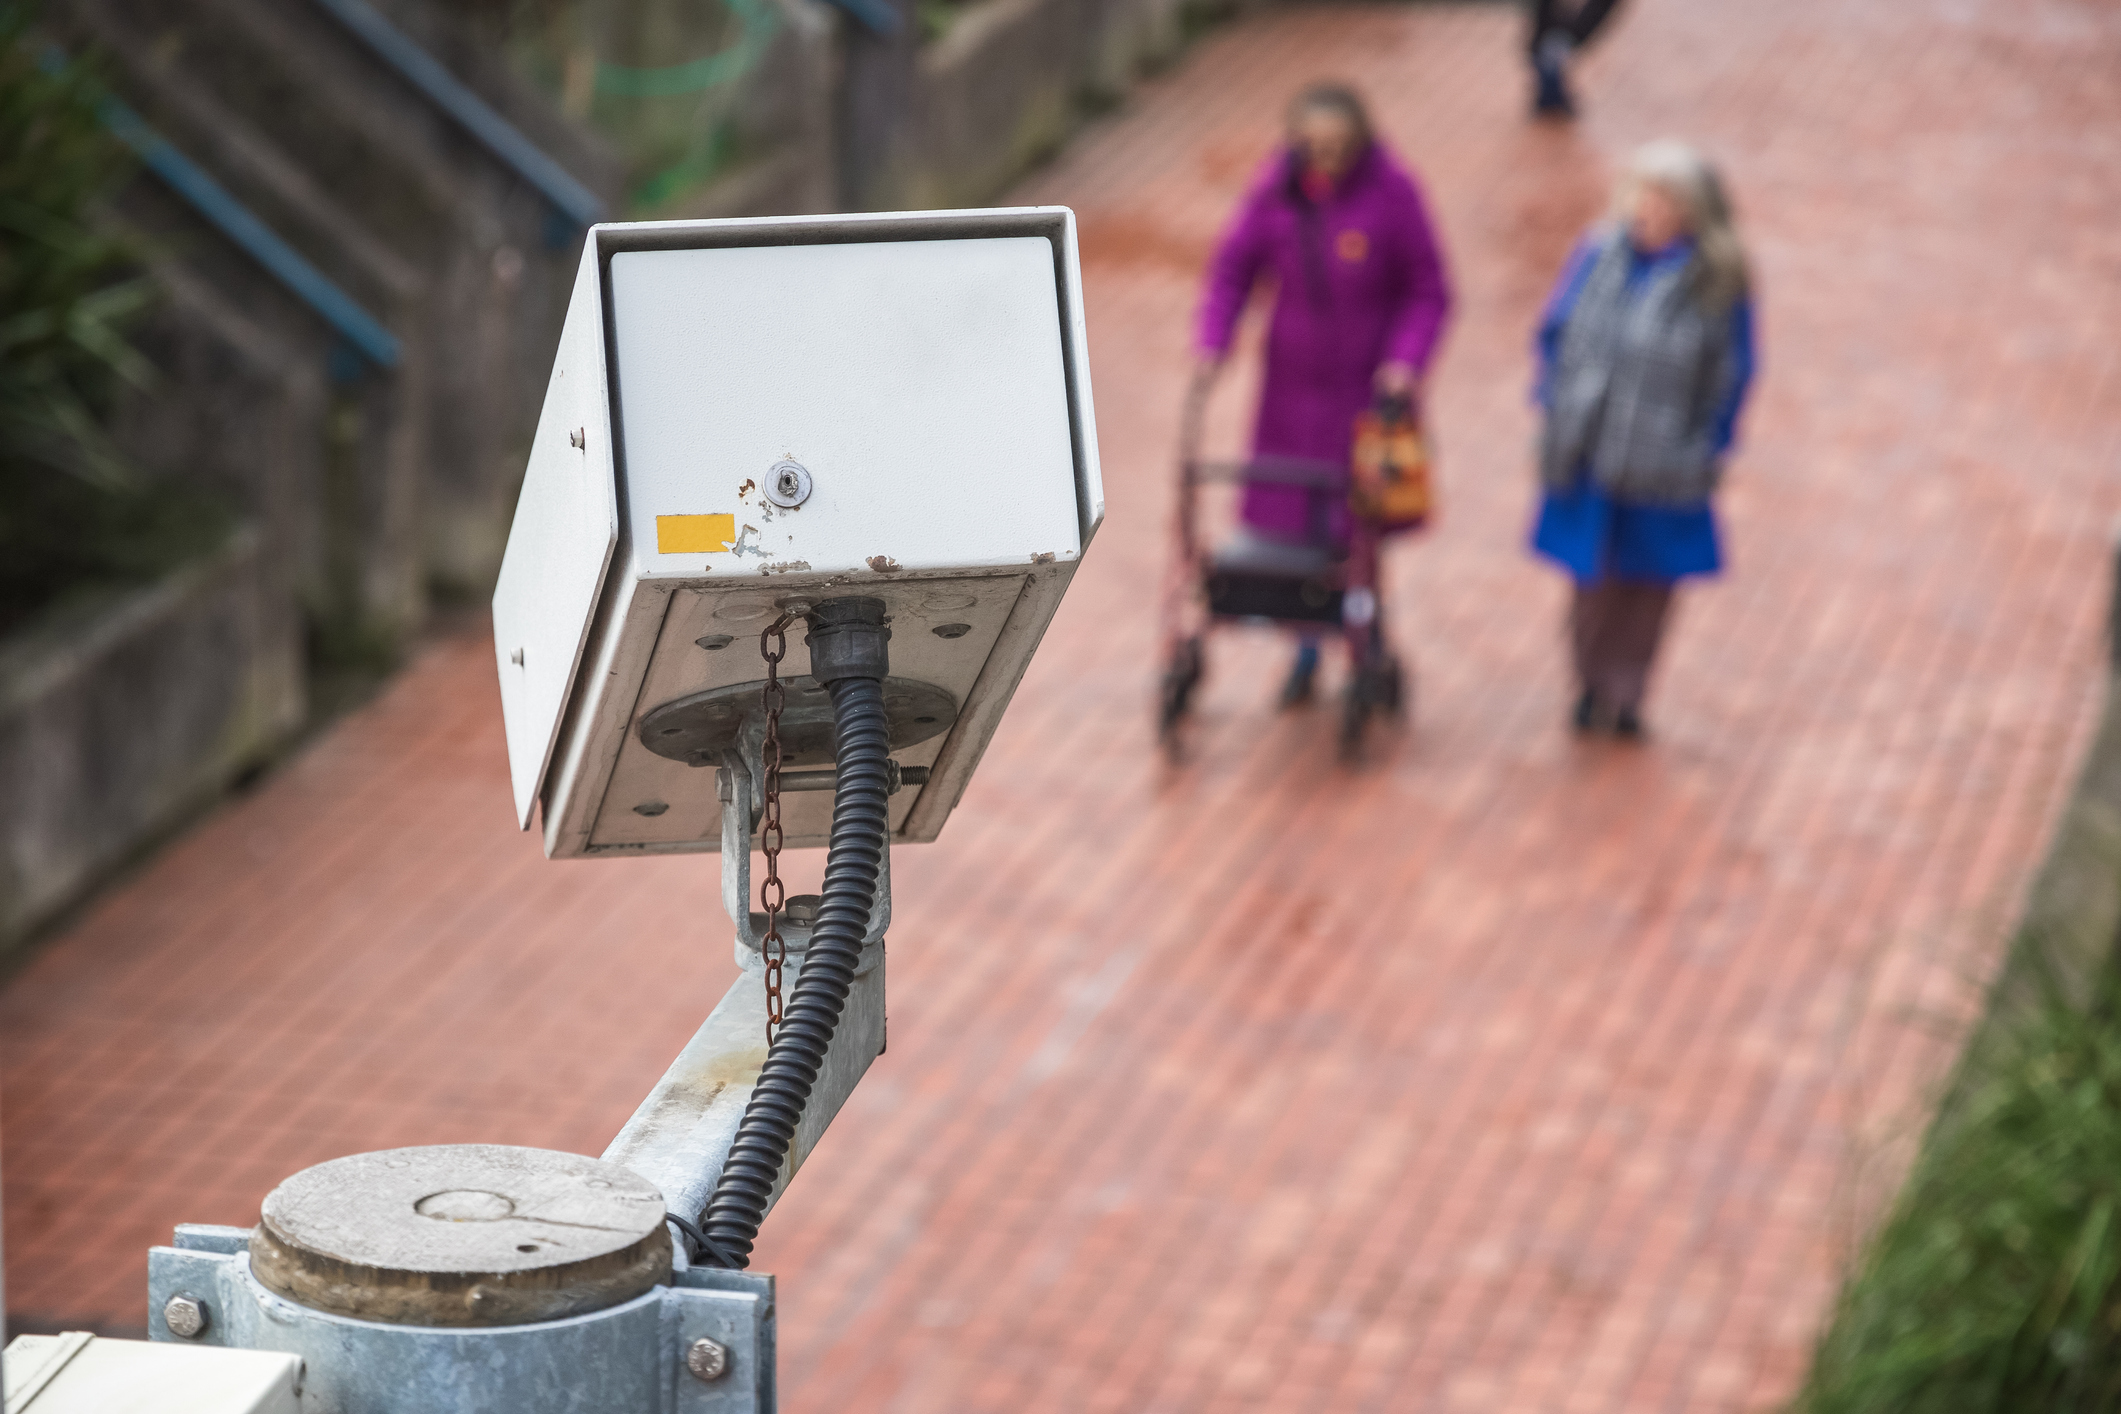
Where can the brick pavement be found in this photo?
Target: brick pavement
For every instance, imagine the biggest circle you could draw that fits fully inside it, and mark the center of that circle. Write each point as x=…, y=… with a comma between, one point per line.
x=1514, y=1073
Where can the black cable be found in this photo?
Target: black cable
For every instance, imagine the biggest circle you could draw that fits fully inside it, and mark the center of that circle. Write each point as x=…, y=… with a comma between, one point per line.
x=697, y=1245
x=854, y=856
x=694, y=1239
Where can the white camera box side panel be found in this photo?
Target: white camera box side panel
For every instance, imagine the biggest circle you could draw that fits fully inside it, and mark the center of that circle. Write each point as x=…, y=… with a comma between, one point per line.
x=560, y=546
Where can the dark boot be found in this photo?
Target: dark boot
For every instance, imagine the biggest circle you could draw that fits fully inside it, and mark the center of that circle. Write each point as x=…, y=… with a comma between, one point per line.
x=1550, y=67
x=1303, y=673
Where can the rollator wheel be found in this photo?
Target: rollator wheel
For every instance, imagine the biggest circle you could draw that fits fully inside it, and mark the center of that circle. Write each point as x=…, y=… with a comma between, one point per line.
x=1393, y=693
x=1175, y=695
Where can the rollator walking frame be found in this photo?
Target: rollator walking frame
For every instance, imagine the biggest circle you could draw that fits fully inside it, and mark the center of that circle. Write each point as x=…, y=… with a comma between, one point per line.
x=1313, y=584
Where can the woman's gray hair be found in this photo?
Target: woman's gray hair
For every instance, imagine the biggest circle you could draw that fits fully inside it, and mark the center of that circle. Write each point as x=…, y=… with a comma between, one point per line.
x=1338, y=99
x=1691, y=180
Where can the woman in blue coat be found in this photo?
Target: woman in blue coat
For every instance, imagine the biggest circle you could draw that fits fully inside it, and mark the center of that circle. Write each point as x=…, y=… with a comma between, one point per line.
x=1645, y=354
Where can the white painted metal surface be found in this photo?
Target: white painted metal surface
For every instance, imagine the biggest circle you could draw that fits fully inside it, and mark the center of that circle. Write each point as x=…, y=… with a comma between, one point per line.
x=566, y=526
x=919, y=383
x=79, y=1373
x=925, y=369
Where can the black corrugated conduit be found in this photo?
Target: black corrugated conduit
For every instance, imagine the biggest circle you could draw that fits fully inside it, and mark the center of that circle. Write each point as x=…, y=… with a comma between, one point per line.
x=848, y=655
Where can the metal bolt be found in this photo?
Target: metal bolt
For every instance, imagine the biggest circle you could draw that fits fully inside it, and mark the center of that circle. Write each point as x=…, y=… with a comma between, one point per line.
x=787, y=484
x=516, y=657
x=185, y=1316
x=707, y=1359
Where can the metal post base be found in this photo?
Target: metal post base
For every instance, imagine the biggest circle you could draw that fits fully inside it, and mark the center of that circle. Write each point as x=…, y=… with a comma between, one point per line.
x=703, y=1345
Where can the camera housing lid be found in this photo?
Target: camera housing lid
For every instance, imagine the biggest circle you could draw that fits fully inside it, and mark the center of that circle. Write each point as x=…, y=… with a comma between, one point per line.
x=751, y=416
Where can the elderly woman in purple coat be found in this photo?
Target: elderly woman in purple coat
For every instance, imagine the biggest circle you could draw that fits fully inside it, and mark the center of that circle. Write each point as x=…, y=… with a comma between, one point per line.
x=1360, y=302
x=1645, y=355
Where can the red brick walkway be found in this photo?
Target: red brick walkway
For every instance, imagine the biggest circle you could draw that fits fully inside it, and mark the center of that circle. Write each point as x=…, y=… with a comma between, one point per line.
x=1514, y=1074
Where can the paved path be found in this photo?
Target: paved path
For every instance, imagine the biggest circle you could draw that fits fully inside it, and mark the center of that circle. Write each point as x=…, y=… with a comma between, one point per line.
x=1512, y=1074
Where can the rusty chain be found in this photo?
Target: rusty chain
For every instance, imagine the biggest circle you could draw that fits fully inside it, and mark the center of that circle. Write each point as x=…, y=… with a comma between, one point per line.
x=773, y=894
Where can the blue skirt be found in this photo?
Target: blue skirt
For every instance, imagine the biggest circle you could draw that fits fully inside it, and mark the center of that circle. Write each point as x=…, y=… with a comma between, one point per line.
x=1594, y=537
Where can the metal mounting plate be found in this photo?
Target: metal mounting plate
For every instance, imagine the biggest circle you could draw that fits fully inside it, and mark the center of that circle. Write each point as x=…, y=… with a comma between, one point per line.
x=699, y=728
x=627, y=1357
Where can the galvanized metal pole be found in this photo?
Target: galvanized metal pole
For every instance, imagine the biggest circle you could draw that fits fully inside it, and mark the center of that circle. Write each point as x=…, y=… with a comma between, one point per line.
x=3, y=1272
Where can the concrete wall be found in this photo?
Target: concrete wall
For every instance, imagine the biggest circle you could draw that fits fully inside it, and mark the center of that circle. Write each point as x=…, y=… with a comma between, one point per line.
x=843, y=120
x=407, y=212
x=117, y=722
x=359, y=486
x=1011, y=80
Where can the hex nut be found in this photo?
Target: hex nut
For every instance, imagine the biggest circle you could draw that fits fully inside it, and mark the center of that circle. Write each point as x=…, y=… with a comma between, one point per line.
x=185, y=1315
x=787, y=484
x=707, y=1359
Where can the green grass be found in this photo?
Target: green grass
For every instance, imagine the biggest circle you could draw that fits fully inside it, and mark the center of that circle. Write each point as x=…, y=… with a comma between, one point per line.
x=1995, y=1285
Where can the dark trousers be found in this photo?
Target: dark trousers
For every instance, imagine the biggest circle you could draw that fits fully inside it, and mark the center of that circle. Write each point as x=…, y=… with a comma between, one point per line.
x=1579, y=21
x=1614, y=628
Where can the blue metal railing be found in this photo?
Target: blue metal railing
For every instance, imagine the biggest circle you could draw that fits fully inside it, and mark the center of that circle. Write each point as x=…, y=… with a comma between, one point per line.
x=442, y=88
x=875, y=16
x=362, y=330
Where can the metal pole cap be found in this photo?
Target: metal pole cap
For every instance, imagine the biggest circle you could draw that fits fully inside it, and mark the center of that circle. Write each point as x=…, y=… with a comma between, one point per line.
x=462, y=1235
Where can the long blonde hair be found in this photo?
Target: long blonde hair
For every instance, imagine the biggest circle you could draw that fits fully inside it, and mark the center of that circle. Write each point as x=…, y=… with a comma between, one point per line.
x=1722, y=277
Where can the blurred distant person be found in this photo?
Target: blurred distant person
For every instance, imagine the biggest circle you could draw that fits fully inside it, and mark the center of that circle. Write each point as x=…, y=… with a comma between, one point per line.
x=1645, y=354
x=1359, y=305
x=1559, y=29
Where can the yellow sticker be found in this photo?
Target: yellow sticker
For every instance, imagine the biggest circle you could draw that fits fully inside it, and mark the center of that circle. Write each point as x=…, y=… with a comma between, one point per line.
x=694, y=535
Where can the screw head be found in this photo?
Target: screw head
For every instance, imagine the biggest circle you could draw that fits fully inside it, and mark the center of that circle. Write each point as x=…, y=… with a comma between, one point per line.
x=185, y=1315
x=707, y=1359
x=787, y=484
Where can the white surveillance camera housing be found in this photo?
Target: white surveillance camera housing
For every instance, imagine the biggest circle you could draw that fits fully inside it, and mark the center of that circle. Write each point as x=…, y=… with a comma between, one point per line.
x=747, y=417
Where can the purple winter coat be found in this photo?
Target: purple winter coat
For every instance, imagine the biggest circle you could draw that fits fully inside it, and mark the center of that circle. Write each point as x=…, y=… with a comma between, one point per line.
x=1360, y=282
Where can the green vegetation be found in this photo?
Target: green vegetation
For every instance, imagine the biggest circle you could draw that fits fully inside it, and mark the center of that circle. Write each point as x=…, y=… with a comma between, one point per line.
x=935, y=17
x=1995, y=1285
x=75, y=517
x=662, y=81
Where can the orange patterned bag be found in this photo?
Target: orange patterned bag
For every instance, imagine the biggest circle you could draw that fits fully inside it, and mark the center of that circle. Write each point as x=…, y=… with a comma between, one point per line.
x=1391, y=484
